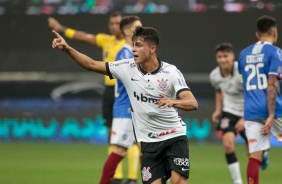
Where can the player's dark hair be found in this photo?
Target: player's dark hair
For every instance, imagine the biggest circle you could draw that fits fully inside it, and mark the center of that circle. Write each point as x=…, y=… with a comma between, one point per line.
x=224, y=47
x=265, y=23
x=127, y=21
x=115, y=14
x=148, y=34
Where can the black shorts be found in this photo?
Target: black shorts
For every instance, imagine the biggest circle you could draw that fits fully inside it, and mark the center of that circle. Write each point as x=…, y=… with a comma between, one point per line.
x=159, y=158
x=227, y=124
x=108, y=103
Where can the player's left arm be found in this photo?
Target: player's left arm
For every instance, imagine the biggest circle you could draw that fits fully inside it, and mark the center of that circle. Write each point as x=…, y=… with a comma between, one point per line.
x=272, y=87
x=186, y=101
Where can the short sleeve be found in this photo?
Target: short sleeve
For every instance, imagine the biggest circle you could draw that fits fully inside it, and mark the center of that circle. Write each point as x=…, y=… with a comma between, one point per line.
x=100, y=39
x=116, y=69
x=213, y=82
x=275, y=68
x=178, y=82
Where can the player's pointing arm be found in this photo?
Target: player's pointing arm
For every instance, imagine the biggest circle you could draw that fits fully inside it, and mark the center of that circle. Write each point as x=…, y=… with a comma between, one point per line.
x=81, y=59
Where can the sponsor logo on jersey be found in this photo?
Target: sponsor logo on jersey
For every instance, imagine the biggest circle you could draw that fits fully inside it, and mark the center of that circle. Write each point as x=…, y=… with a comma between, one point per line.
x=146, y=174
x=163, y=84
x=181, y=162
x=148, y=87
x=158, y=134
x=132, y=79
x=119, y=63
x=145, y=98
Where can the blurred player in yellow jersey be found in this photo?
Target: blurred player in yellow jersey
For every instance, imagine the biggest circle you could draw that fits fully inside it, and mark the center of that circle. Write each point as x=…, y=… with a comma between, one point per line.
x=110, y=45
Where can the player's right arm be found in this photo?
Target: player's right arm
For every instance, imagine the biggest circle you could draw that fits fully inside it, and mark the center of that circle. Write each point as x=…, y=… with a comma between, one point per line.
x=81, y=59
x=218, y=106
x=71, y=33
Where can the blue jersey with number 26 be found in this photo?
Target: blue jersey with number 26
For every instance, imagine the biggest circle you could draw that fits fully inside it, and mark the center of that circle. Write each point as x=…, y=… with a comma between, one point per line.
x=256, y=63
x=122, y=108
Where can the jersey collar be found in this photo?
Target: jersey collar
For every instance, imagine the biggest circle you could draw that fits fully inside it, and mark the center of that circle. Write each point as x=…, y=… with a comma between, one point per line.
x=153, y=72
x=261, y=42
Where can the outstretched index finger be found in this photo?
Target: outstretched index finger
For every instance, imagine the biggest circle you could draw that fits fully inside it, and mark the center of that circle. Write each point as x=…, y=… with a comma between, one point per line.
x=57, y=34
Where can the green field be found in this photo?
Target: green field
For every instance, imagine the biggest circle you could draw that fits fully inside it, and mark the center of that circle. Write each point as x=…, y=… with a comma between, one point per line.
x=81, y=163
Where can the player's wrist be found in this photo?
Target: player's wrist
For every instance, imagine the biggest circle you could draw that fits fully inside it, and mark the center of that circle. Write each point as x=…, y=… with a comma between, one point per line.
x=69, y=33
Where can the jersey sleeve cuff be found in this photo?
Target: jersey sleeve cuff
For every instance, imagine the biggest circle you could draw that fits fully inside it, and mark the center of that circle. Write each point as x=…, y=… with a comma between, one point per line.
x=108, y=70
x=179, y=91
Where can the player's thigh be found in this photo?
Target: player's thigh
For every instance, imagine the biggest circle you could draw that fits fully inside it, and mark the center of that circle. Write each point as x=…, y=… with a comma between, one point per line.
x=122, y=132
x=257, y=142
x=153, y=166
x=178, y=157
x=227, y=123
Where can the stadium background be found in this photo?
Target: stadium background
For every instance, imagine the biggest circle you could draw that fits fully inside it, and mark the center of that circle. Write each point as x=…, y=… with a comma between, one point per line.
x=46, y=97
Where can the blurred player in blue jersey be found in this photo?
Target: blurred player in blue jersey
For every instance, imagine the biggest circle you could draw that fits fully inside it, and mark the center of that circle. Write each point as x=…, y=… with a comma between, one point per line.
x=122, y=130
x=229, y=105
x=261, y=67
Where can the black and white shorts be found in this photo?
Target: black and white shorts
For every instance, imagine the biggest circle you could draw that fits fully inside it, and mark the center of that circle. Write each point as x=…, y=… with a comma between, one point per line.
x=159, y=158
x=227, y=124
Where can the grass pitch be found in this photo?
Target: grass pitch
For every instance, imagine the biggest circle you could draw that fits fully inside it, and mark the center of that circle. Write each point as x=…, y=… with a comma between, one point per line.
x=82, y=163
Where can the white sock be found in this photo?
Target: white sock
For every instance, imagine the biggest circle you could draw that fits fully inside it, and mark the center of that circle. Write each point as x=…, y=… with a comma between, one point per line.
x=234, y=170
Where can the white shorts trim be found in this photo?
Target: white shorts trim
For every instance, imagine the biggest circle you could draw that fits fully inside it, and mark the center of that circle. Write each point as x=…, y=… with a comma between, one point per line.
x=122, y=132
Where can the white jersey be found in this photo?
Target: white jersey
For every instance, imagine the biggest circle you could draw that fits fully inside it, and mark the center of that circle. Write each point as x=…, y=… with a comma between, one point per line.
x=232, y=89
x=151, y=124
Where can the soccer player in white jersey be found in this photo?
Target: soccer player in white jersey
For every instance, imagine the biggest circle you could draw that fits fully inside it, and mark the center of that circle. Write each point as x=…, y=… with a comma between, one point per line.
x=261, y=67
x=155, y=89
x=122, y=136
x=229, y=105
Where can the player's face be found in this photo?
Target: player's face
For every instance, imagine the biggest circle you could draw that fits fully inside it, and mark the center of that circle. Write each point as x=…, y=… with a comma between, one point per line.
x=135, y=24
x=141, y=50
x=225, y=59
x=114, y=25
x=130, y=30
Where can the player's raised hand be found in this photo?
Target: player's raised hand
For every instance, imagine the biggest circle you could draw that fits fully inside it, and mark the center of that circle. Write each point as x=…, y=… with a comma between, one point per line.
x=59, y=42
x=164, y=102
x=55, y=25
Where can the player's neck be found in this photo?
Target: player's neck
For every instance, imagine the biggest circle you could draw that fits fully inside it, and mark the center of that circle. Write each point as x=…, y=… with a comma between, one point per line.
x=128, y=41
x=226, y=72
x=266, y=39
x=119, y=37
x=150, y=65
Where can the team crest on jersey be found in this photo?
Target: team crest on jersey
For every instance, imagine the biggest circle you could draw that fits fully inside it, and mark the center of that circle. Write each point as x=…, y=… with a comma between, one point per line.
x=146, y=174
x=132, y=65
x=163, y=86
